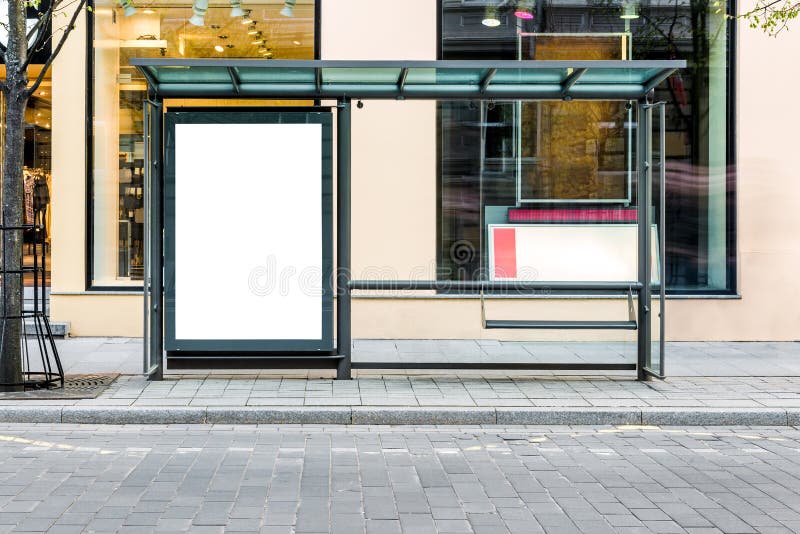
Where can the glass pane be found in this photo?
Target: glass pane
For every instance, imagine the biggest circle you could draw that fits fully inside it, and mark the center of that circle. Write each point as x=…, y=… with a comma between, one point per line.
x=360, y=75
x=572, y=162
x=279, y=75
x=193, y=74
x=512, y=76
x=658, y=203
x=447, y=76
x=119, y=90
x=37, y=176
x=618, y=75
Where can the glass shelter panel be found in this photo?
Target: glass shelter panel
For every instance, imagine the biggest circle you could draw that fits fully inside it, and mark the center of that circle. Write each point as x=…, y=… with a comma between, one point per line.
x=171, y=29
x=657, y=348
x=553, y=162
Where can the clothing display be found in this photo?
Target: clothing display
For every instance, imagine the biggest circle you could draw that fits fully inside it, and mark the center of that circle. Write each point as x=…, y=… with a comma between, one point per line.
x=36, y=197
x=131, y=217
x=27, y=185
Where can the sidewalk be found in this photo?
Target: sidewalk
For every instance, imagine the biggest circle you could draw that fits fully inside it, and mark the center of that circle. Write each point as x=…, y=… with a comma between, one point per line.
x=709, y=384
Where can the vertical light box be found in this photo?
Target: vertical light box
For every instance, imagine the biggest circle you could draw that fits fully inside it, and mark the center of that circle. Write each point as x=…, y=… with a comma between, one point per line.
x=248, y=231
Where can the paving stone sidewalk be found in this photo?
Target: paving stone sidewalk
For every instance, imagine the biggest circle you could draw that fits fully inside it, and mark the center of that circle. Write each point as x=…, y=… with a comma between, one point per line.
x=427, y=400
x=764, y=389
x=124, y=355
x=296, y=479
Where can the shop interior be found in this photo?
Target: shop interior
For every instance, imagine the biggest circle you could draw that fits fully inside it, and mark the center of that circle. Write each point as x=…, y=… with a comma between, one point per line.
x=37, y=175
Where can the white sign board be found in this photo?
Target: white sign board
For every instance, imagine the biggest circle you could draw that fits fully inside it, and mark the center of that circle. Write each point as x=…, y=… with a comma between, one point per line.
x=248, y=232
x=567, y=252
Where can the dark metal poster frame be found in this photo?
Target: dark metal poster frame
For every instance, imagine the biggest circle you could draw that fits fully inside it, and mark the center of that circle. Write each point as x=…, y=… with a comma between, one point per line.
x=340, y=358
x=219, y=347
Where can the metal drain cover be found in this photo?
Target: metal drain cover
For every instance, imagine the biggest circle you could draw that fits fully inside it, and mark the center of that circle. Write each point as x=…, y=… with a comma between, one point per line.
x=87, y=386
x=80, y=382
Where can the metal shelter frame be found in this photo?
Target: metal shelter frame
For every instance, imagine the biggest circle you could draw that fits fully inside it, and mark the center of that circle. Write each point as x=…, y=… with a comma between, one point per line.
x=344, y=81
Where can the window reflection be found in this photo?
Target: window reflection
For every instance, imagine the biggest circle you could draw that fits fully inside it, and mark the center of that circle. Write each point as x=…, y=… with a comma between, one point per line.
x=518, y=162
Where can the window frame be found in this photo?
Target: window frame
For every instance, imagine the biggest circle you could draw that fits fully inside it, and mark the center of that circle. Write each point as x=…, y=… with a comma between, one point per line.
x=731, y=196
x=89, y=137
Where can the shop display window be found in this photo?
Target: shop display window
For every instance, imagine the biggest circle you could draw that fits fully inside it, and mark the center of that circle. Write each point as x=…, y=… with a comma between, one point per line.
x=550, y=163
x=37, y=178
x=260, y=29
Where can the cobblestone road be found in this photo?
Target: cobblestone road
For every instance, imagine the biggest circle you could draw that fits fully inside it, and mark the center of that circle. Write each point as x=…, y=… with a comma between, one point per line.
x=294, y=479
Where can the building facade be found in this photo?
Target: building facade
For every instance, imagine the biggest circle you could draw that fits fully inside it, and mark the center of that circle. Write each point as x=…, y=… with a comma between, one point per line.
x=431, y=178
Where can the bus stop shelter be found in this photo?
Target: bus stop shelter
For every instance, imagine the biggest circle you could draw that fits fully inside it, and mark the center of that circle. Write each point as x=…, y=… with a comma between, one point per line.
x=342, y=82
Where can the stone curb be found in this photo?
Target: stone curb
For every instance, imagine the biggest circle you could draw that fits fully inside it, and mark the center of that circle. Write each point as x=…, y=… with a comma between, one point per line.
x=715, y=417
x=414, y=415
x=132, y=415
x=320, y=415
x=568, y=416
x=399, y=415
x=30, y=414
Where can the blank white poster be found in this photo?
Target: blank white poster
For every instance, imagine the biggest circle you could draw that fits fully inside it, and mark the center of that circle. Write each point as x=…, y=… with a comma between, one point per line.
x=248, y=231
x=574, y=252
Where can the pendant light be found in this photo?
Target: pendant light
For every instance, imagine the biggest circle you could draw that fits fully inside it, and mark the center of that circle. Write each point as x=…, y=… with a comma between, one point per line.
x=630, y=10
x=524, y=10
x=490, y=18
x=236, y=8
x=127, y=7
x=199, y=9
x=246, y=18
x=252, y=30
x=288, y=8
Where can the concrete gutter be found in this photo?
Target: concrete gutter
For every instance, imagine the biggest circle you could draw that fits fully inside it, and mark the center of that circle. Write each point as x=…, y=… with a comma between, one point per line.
x=398, y=415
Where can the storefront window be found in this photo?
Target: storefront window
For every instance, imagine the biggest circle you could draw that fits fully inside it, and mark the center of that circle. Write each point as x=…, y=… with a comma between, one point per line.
x=262, y=29
x=36, y=174
x=573, y=162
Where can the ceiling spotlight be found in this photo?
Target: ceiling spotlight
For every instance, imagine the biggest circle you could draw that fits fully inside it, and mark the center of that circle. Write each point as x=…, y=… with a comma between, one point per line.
x=236, y=8
x=288, y=8
x=490, y=18
x=251, y=30
x=258, y=39
x=149, y=11
x=296, y=43
x=199, y=9
x=246, y=18
x=219, y=48
x=127, y=7
x=524, y=10
x=630, y=10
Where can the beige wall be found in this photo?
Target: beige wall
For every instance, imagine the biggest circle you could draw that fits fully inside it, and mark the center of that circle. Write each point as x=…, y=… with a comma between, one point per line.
x=394, y=213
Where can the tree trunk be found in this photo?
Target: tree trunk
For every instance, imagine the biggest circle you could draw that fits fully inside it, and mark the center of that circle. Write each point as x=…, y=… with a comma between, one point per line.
x=10, y=336
x=15, y=93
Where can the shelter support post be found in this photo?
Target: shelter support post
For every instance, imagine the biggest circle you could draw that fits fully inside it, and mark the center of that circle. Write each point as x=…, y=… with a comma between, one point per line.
x=155, y=232
x=344, y=342
x=644, y=190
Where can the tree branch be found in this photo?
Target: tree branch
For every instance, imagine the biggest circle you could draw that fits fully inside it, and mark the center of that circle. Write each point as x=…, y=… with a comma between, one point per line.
x=54, y=53
x=40, y=30
x=772, y=16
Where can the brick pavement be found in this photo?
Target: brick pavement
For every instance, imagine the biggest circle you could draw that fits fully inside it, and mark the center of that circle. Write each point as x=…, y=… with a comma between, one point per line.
x=376, y=480
x=762, y=388
x=124, y=355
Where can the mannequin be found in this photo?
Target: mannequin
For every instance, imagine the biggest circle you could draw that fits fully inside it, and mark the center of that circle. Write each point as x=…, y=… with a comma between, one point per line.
x=41, y=199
